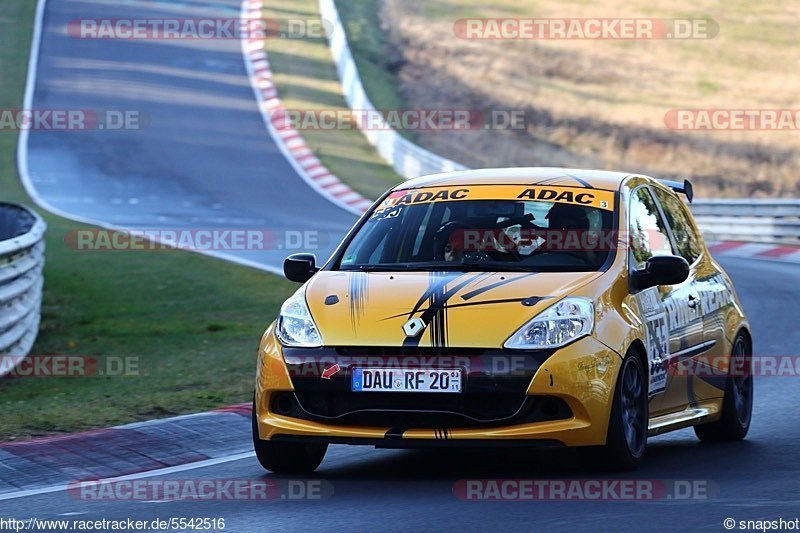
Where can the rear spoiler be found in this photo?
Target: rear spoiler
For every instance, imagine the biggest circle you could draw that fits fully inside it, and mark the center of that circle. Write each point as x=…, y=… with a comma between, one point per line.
x=680, y=188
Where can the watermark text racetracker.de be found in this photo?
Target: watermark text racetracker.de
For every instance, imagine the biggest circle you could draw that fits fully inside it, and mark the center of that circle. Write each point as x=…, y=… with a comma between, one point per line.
x=589, y=367
x=211, y=239
x=169, y=29
x=190, y=490
x=334, y=119
x=584, y=489
x=613, y=28
x=175, y=523
x=72, y=120
x=69, y=366
x=733, y=119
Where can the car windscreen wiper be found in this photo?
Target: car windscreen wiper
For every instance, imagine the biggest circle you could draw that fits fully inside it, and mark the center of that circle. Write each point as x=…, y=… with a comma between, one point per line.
x=441, y=266
x=434, y=266
x=497, y=266
x=378, y=268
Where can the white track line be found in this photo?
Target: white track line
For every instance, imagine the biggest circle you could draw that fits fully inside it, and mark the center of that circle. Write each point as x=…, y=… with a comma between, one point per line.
x=142, y=475
x=22, y=167
x=24, y=171
x=294, y=150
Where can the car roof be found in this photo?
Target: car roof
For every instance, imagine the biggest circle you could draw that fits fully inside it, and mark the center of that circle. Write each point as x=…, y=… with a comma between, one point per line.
x=567, y=177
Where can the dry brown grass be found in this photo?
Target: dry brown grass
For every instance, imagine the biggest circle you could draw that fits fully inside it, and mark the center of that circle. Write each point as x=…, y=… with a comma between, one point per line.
x=602, y=103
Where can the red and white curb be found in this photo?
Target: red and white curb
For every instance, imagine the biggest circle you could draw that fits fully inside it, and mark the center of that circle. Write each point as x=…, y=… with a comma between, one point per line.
x=49, y=464
x=788, y=254
x=288, y=139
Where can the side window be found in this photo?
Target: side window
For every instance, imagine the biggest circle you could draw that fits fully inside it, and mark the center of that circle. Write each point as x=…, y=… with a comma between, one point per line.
x=648, y=234
x=679, y=220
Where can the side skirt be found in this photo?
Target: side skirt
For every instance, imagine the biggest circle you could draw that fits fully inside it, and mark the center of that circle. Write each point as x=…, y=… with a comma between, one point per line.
x=691, y=416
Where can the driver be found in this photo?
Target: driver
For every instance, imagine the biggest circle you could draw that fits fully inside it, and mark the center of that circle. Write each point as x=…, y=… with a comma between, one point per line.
x=449, y=242
x=567, y=217
x=568, y=225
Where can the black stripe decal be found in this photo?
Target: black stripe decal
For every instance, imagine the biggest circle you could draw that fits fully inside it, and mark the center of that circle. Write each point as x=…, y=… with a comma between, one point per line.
x=548, y=181
x=487, y=302
x=358, y=297
x=435, y=315
x=453, y=306
x=688, y=353
x=581, y=181
x=478, y=292
x=432, y=287
x=533, y=299
x=716, y=381
x=436, y=319
x=441, y=433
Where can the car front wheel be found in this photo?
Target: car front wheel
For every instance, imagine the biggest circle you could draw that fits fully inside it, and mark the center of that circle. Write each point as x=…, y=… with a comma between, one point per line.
x=627, y=428
x=286, y=457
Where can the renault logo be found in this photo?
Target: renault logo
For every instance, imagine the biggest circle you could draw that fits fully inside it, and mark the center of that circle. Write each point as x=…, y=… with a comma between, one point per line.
x=414, y=327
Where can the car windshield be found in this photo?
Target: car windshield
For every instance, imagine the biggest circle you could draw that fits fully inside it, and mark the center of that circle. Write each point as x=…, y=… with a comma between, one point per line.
x=492, y=228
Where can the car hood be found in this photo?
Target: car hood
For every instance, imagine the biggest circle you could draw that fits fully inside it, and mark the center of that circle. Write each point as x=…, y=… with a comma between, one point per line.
x=457, y=309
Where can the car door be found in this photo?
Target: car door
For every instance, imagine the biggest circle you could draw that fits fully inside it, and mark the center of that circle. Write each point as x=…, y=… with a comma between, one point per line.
x=673, y=321
x=713, y=296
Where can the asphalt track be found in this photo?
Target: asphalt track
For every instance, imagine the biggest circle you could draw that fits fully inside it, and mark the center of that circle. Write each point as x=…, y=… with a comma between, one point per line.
x=201, y=158
x=205, y=160
x=396, y=490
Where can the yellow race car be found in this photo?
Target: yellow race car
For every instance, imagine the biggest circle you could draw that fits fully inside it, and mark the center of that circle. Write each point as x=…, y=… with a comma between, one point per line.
x=521, y=307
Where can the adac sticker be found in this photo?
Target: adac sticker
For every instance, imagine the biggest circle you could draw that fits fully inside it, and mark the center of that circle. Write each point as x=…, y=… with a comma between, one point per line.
x=568, y=195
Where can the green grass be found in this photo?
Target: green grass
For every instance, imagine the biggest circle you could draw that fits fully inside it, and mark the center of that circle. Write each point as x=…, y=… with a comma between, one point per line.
x=306, y=78
x=16, y=19
x=377, y=61
x=615, y=91
x=192, y=321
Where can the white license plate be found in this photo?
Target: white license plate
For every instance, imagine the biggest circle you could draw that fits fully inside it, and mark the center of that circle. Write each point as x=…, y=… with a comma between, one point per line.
x=406, y=380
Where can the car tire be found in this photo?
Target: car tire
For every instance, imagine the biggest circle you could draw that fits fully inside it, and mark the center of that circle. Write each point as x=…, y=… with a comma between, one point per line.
x=737, y=404
x=287, y=457
x=627, y=428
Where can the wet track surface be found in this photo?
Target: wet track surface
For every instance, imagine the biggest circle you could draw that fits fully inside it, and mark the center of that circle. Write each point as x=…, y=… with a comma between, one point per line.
x=206, y=160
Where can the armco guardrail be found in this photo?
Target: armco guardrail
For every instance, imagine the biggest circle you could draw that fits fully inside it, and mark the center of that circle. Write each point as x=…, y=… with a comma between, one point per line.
x=769, y=221
x=408, y=159
x=21, y=279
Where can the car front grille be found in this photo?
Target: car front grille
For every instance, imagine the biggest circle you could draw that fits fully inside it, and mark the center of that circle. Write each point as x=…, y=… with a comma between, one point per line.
x=493, y=392
x=419, y=410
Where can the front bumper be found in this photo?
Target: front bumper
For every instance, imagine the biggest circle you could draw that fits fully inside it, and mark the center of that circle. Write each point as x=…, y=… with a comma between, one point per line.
x=556, y=398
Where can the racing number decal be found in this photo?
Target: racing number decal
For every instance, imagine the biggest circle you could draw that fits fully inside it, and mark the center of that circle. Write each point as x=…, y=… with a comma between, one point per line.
x=657, y=333
x=384, y=214
x=658, y=346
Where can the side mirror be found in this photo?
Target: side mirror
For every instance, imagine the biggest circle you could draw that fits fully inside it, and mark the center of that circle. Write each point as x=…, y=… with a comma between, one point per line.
x=661, y=270
x=300, y=267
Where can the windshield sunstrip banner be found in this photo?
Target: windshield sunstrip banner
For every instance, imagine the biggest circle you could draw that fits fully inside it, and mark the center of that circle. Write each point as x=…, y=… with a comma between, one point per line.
x=568, y=195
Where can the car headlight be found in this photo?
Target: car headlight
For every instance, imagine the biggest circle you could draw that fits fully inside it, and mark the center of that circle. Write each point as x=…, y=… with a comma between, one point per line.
x=556, y=326
x=296, y=328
